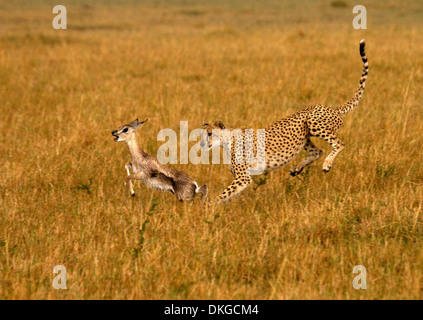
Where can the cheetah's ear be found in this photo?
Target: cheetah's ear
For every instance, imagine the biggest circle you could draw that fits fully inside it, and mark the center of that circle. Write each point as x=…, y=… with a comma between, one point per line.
x=205, y=124
x=219, y=123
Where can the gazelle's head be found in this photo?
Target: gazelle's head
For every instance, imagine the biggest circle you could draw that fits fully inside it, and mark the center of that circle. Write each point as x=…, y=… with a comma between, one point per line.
x=126, y=132
x=214, y=135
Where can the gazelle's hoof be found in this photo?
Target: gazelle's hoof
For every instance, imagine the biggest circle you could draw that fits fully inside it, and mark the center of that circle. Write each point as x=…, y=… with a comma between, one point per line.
x=133, y=195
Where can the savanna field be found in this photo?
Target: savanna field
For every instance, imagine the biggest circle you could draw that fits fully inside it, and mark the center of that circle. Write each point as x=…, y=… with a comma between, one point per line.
x=249, y=63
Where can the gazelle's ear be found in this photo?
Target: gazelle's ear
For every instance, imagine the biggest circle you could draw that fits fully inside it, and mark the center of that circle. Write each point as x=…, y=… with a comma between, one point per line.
x=205, y=124
x=139, y=124
x=219, y=123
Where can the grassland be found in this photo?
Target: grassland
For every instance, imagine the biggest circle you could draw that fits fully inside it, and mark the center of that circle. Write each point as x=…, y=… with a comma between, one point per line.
x=249, y=63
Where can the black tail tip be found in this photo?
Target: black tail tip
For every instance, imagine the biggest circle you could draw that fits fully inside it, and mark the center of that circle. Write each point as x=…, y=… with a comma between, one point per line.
x=362, y=44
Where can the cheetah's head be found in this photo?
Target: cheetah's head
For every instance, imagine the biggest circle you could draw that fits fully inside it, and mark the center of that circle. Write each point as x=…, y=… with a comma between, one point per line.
x=214, y=135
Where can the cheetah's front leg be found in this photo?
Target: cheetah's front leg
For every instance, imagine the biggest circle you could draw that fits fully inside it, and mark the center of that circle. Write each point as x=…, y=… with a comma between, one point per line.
x=236, y=187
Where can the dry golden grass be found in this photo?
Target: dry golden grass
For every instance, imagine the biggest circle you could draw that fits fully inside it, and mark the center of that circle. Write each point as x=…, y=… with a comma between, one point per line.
x=62, y=198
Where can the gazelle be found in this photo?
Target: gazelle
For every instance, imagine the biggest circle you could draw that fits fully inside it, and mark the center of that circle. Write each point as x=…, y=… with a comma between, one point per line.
x=155, y=175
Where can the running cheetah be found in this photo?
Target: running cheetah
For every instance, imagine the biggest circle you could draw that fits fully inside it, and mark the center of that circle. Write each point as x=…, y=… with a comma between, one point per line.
x=284, y=139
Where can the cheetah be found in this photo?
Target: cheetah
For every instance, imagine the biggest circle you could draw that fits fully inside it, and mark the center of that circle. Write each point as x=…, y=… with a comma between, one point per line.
x=283, y=139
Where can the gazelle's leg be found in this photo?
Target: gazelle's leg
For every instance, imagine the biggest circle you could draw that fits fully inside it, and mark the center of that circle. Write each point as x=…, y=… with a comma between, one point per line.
x=128, y=166
x=314, y=153
x=128, y=181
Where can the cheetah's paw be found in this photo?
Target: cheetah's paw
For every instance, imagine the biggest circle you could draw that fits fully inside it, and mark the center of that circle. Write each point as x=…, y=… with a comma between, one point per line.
x=293, y=172
x=326, y=167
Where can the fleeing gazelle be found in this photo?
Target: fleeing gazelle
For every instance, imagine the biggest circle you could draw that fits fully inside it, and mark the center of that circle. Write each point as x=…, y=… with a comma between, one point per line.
x=155, y=175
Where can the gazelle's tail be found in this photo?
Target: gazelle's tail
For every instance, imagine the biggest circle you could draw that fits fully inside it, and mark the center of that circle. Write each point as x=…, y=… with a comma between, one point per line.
x=352, y=103
x=203, y=190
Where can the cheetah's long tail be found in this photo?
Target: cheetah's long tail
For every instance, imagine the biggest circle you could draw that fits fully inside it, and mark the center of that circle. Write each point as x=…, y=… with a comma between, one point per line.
x=352, y=103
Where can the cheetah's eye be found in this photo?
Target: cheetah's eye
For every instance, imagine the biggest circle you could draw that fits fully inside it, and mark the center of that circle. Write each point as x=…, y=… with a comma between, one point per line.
x=209, y=134
x=125, y=130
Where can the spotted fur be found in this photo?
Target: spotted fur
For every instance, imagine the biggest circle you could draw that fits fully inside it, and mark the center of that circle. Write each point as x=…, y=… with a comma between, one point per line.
x=285, y=138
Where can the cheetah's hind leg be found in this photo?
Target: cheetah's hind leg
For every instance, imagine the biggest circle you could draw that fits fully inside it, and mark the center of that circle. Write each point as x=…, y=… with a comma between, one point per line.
x=314, y=154
x=337, y=146
x=260, y=181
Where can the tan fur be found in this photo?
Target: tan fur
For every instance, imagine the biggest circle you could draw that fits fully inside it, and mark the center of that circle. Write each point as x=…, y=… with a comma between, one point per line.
x=155, y=175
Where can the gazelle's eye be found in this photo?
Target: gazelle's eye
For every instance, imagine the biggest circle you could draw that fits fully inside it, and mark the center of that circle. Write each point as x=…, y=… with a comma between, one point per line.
x=209, y=134
x=125, y=130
